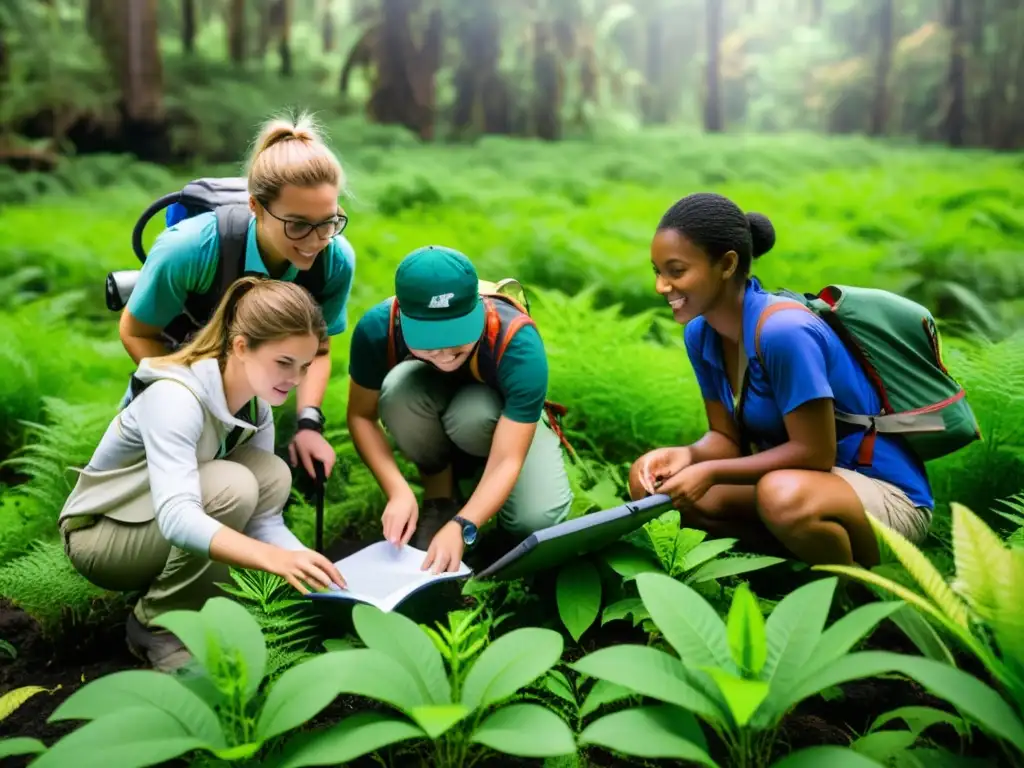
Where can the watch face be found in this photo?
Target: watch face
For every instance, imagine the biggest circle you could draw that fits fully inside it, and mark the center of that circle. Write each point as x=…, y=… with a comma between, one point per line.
x=469, y=533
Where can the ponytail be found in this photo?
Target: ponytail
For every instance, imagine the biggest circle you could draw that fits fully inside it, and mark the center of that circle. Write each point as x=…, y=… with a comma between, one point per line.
x=257, y=309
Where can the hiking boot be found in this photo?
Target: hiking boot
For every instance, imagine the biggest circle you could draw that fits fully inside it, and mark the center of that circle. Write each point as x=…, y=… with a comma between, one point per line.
x=434, y=514
x=162, y=650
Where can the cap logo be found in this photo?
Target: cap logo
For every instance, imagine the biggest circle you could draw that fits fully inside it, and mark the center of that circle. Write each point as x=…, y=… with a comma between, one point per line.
x=441, y=301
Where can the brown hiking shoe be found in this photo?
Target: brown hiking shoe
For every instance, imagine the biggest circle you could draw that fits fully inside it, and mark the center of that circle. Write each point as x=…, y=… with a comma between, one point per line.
x=434, y=514
x=159, y=648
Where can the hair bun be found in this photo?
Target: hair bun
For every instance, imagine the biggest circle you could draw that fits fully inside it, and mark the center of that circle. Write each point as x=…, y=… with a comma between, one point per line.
x=762, y=234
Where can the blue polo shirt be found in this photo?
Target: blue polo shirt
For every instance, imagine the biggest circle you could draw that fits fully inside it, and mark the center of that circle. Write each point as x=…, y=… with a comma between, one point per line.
x=184, y=257
x=804, y=360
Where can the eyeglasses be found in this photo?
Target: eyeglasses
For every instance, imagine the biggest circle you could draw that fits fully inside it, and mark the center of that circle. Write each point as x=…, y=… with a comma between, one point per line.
x=299, y=230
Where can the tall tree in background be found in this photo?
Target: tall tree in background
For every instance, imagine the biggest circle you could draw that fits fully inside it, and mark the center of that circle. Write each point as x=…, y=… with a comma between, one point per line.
x=713, y=121
x=404, y=86
x=328, y=31
x=281, y=20
x=132, y=46
x=883, y=66
x=482, y=98
x=188, y=26
x=956, y=110
x=236, y=32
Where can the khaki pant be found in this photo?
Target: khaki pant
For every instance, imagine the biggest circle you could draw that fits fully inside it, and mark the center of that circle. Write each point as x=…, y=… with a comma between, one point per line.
x=429, y=414
x=889, y=505
x=128, y=557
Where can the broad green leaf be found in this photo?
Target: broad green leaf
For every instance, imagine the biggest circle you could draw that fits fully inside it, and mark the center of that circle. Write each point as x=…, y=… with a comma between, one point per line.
x=511, y=662
x=628, y=560
x=20, y=745
x=130, y=738
x=843, y=635
x=884, y=745
x=969, y=695
x=650, y=672
x=703, y=552
x=623, y=608
x=982, y=562
x=353, y=737
x=558, y=684
x=919, y=719
x=914, y=599
x=230, y=626
x=305, y=689
x=526, y=730
x=927, y=576
x=746, y=632
x=922, y=634
x=437, y=718
x=794, y=629
x=731, y=566
x=664, y=732
x=603, y=692
x=402, y=640
x=833, y=757
x=742, y=696
x=689, y=623
x=143, y=689
x=578, y=594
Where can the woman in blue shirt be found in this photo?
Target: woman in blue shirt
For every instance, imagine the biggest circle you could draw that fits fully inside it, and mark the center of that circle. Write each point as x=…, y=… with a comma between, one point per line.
x=801, y=481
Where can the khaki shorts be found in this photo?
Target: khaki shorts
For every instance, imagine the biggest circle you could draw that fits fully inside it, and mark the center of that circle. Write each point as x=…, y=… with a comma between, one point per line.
x=889, y=505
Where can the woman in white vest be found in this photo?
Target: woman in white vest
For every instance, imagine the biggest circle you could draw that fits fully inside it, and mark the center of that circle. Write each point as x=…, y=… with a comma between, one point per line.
x=185, y=482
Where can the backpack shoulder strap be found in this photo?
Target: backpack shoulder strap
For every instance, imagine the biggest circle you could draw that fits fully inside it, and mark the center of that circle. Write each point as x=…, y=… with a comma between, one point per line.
x=232, y=232
x=392, y=333
x=504, y=318
x=767, y=312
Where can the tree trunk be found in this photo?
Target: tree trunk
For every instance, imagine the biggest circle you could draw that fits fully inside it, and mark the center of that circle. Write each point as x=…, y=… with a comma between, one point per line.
x=817, y=12
x=956, y=113
x=328, y=27
x=713, y=122
x=188, y=26
x=284, y=45
x=481, y=93
x=139, y=69
x=547, y=84
x=236, y=32
x=880, y=108
x=266, y=27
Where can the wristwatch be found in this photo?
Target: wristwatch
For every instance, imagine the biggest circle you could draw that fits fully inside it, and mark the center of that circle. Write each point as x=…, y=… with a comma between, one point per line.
x=469, y=530
x=311, y=417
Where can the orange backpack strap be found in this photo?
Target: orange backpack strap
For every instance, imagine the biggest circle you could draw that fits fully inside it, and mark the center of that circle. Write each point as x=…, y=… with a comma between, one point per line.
x=500, y=326
x=770, y=310
x=392, y=318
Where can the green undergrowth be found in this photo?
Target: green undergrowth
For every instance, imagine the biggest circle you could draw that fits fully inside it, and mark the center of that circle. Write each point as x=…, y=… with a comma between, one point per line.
x=574, y=222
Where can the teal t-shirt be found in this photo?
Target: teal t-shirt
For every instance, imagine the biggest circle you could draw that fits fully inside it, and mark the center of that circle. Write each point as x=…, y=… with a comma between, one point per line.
x=522, y=373
x=184, y=259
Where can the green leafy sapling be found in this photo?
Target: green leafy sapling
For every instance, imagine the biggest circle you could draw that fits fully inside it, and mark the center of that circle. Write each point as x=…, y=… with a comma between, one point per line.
x=742, y=677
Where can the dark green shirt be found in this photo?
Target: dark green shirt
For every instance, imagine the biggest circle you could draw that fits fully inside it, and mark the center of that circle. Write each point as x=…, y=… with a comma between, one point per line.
x=522, y=373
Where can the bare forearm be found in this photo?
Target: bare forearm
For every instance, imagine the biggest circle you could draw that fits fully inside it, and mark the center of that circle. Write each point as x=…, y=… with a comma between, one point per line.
x=373, y=448
x=139, y=347
x=311, y=391
x=714, y=446
x=748, y=470
x=493, y=490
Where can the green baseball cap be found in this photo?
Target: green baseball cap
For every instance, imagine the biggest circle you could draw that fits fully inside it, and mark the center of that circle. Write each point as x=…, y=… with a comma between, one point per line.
x=438, y=296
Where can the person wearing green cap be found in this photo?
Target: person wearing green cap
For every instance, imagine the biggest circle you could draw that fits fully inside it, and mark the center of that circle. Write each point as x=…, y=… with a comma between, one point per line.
x=454, y=375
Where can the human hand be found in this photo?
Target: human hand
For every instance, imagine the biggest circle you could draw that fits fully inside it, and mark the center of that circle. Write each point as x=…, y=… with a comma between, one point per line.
x=445, y=551
x=308, y=445
x=659, y=465
x=688, y=486
x=304, y=566
x=400, y=517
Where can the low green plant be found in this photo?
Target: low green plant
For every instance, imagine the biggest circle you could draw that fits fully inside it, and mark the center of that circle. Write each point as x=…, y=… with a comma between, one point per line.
x=981, y=610
x=742, y=676
x=660, y=546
